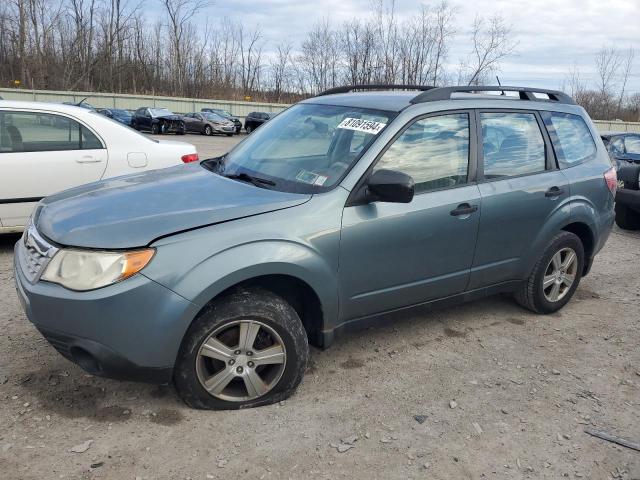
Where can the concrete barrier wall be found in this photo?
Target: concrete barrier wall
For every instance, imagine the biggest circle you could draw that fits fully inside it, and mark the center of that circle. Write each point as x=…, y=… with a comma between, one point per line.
x=127, y=101
x=185, y=105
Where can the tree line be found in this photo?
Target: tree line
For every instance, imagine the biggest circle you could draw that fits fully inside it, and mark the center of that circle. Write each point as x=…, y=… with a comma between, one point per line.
x=118, y=46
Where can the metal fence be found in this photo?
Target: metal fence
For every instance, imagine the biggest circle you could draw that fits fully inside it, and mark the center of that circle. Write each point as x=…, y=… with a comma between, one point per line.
x=185, y=105
x=129, y=101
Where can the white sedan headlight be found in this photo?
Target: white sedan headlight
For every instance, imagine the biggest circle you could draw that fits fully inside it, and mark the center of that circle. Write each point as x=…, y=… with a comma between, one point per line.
x=87, y=270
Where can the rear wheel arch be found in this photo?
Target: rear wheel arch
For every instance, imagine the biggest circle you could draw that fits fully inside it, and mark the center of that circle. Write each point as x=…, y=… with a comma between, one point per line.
x=587, y=237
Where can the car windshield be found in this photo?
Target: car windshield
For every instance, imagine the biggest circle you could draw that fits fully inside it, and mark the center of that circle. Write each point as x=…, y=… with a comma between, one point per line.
x=160, y=112
x=214, y=117
x=307, y=148
x=632, y=145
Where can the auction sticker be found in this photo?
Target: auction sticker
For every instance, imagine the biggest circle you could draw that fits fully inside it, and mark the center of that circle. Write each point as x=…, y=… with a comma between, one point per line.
x=360, y=125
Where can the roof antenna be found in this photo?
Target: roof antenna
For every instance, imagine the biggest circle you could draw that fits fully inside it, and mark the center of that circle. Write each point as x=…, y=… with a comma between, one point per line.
x=499, y=84
x=81, y=101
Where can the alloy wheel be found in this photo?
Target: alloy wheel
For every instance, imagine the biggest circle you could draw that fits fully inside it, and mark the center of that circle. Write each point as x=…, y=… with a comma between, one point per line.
x=560, y=274
x=241, y=360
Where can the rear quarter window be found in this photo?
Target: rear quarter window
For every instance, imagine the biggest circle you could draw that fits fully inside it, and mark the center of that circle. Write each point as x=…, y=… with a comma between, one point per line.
x=571, y=138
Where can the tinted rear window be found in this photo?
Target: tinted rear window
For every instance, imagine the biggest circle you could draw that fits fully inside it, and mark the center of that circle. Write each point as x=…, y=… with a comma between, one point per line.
x=571, y=138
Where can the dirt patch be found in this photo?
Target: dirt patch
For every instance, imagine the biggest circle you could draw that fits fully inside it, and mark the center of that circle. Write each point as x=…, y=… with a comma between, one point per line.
x=167, y=417
x=450, y=332
x=352, y=363
x=516, y=321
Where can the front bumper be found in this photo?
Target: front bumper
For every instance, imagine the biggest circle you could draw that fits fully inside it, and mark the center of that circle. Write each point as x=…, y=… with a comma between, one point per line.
x=130, y=330
x=629, y=198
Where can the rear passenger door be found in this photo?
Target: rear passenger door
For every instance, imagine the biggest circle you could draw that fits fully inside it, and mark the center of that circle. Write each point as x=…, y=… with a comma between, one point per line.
x=41, y=154
x=521, y=189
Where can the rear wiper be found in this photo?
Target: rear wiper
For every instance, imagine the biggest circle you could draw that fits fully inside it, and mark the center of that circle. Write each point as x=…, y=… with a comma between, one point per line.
x=245, y=177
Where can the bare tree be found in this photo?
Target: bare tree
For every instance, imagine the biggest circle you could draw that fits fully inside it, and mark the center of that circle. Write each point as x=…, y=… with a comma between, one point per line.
x=492, y=41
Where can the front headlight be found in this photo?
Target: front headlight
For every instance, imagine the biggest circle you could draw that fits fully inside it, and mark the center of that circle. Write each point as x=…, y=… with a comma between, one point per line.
x=87, y=270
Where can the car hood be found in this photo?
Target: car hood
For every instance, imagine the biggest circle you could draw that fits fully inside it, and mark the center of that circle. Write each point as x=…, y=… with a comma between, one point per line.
x=169, y=117
x=134, y=210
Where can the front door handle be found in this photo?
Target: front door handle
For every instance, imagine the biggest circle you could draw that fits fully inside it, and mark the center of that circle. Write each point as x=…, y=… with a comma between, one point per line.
x=464, y=209
x=554, y=192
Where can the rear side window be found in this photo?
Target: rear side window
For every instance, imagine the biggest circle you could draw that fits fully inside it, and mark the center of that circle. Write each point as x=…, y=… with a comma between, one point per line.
x=632, y=145
x=571, y=138
x=43, y=132
x=512, y=144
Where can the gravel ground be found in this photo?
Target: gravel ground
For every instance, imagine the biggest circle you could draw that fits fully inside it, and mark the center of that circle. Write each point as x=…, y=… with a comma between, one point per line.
x=484, y=390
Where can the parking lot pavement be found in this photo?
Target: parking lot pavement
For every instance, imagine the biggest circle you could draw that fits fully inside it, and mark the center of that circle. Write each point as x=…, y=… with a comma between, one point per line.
x=499, y=393
x=207, y=147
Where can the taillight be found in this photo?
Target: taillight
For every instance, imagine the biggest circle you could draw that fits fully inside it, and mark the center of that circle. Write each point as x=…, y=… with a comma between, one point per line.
x=192, y=157
x=611, y=178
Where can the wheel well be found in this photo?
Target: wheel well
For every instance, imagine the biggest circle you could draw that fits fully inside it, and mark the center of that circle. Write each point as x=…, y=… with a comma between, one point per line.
x=296, y=293
x=585, y=235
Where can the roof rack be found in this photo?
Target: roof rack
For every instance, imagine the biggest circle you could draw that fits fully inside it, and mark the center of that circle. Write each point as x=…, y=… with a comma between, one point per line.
x=445, y=93
x=350, y=88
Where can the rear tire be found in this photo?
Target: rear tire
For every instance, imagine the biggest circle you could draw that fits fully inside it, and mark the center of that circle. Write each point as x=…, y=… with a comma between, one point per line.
x=626, y=218
x=220, y=325
x=547, y=289
x=248, y=130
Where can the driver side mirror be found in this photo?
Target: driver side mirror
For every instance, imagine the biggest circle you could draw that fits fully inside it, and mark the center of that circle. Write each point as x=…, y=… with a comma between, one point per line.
x=390, y=186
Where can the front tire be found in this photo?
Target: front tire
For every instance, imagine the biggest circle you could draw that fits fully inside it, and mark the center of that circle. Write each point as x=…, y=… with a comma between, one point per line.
x=626, y=218
x=207, y=131
x=248, y=129
x=155, y=129
x=246, y=349
x=555, y=277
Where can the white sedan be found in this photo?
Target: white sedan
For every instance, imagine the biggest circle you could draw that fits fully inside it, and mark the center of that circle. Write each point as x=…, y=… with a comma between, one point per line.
x=46, y=147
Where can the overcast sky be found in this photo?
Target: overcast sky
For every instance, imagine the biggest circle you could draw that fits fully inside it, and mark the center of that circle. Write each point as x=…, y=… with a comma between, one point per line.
x=553, y=35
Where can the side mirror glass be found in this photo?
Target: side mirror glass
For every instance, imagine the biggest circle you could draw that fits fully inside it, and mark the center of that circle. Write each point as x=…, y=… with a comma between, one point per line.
x=391, y=186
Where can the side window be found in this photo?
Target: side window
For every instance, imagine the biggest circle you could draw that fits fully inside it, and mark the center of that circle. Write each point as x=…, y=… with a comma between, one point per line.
x=43, y=132
x=632, y=145
x=512, y=144
x=139, y=111
x=89, y=140
x=434, y=151
x=571, y=138
x=617, y=146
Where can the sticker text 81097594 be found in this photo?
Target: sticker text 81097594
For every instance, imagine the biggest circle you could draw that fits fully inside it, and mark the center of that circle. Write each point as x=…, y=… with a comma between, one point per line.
x=361, y=125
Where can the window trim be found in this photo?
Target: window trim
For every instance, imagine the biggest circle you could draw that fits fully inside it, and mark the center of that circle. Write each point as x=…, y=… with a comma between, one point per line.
x=59, y=114
x=593, y=141
x=355, y=197
x=549, y=154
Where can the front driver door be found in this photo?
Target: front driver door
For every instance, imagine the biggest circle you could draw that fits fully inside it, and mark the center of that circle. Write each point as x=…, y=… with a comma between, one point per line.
x=394, y=255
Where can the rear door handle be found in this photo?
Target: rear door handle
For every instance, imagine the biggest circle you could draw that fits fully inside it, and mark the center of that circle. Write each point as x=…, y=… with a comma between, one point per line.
x=88, y=159
x=464, y=209
x=554, y=192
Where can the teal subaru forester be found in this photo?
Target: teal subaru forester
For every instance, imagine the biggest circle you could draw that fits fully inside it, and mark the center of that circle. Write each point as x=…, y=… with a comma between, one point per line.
x=348, y=208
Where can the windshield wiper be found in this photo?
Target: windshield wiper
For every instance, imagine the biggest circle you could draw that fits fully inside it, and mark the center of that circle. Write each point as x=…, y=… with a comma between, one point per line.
x=245, y=177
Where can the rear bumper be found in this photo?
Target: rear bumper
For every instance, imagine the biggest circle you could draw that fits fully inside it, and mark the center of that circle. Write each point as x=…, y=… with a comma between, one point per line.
x=629, y=198
x=130, y=330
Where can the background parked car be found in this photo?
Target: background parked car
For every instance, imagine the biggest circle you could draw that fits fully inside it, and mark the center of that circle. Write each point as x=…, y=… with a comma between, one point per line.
x=208, y=123
x=226, y=114
x=158, y=120
x=45, y=148
x=628, y=196
x=123, y=116
x=81, y=104
x=255, y=119
x=623, y=148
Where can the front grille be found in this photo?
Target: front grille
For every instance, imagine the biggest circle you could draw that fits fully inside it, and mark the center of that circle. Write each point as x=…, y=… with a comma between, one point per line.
x=34, y=253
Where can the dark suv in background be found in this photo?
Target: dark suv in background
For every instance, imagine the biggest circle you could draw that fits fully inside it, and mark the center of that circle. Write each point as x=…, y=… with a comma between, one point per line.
x=255, y=119
x=344, y=210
